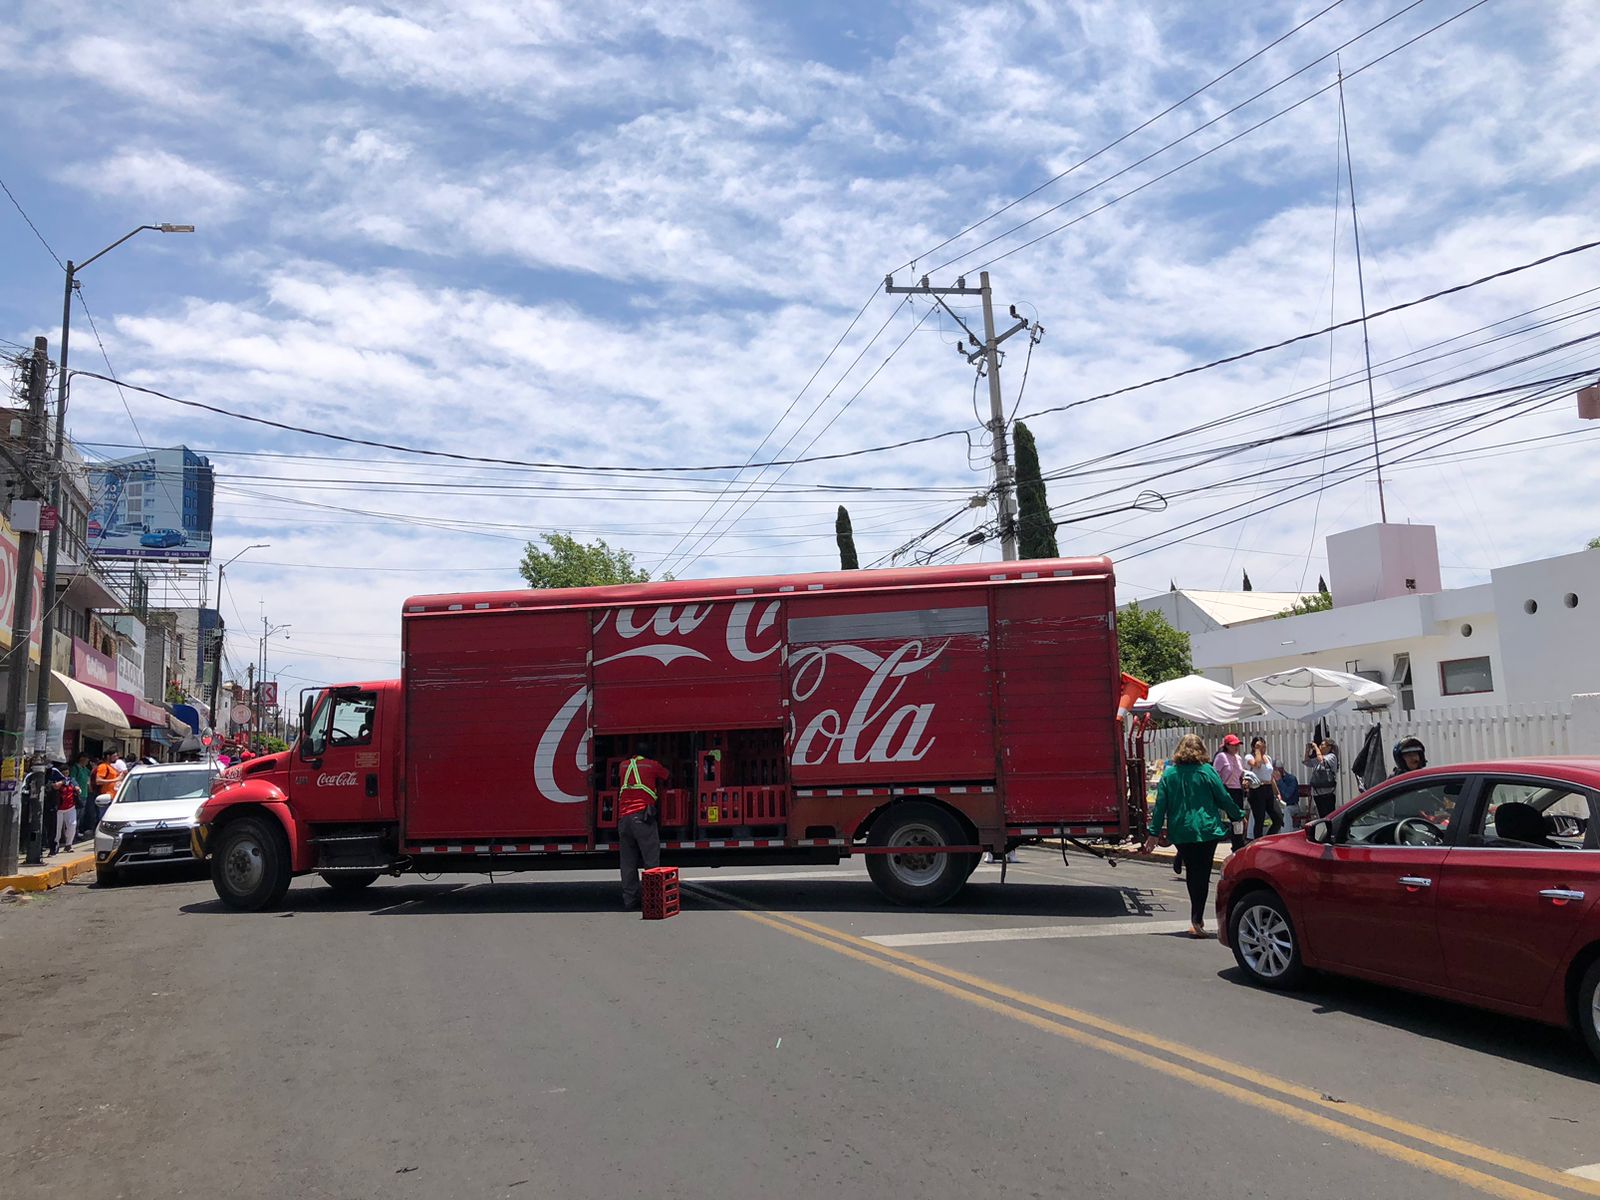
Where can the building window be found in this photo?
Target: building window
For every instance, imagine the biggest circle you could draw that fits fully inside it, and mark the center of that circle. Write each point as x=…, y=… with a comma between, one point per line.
x=1402, y=682
x=1465, y=676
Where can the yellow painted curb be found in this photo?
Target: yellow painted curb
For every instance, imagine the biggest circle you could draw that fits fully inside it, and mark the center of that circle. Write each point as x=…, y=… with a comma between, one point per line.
x=50, y=877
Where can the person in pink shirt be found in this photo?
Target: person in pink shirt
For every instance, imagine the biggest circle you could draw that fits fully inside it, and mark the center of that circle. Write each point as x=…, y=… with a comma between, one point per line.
x=1229, y=764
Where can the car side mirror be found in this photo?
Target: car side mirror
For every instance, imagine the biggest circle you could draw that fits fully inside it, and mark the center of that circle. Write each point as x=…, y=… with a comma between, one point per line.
x=1320, y=832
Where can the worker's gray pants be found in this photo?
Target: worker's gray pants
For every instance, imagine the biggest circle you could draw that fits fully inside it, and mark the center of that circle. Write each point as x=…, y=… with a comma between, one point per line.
x=640, y=843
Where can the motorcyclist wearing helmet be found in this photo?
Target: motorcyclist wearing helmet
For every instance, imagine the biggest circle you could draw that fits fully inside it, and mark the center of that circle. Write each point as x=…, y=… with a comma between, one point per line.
x=1409, y=755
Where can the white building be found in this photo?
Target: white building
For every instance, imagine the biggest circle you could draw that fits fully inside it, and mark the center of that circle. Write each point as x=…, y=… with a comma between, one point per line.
x=1195, y=612
x=1528, y=636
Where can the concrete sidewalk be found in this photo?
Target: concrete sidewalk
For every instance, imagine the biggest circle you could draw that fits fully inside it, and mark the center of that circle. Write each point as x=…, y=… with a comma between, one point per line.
x=56, y=870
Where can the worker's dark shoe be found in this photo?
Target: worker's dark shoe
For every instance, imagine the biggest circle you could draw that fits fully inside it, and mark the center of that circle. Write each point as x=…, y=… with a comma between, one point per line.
x=630, y=905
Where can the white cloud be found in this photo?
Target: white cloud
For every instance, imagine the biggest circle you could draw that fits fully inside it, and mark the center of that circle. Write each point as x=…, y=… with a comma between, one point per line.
x=156, y=176
x=619, y=233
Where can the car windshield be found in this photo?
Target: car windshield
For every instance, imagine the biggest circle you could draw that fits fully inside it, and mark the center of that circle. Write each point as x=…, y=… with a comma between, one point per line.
x=165, y=785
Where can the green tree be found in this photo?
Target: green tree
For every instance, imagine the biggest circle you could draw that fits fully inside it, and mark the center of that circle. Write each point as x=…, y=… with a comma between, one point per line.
x=1036, y=532
x=1247, y=585
x=1594, y=543
x=1149, y=648
x=569, y=563
x=1320, y=602
x=846, y=538
x=1322, y=586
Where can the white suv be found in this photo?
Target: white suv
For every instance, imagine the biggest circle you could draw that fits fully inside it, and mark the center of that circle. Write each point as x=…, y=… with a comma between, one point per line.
x=151, y=818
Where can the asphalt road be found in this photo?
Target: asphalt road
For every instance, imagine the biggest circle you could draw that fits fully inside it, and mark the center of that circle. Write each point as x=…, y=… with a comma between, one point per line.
x=788, y=1035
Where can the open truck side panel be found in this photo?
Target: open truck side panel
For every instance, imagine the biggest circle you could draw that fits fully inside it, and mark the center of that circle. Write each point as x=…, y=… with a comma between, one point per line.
x=945, y=709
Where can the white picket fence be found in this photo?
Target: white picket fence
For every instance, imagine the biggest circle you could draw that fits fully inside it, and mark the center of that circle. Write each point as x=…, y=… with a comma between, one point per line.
x=1452, y=735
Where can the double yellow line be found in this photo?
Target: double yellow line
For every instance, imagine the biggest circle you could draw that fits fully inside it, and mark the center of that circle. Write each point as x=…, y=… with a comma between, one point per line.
x=1366, y=1127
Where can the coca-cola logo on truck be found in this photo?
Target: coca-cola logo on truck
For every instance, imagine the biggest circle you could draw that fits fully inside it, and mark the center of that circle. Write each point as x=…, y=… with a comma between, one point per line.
x=876, y=725
x=342, y=779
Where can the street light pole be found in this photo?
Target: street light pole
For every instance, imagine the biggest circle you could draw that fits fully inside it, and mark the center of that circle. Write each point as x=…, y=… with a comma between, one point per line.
x=47, y=602
x=261, y=670
x=216, y=672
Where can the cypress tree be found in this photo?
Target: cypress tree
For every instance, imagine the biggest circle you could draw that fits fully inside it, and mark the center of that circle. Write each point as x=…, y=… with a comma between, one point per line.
x=1247, y=586
x=1036, y=532
x=846, y=538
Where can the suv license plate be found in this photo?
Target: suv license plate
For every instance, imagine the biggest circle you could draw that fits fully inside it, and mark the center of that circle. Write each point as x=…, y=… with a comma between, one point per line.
x=161, y=850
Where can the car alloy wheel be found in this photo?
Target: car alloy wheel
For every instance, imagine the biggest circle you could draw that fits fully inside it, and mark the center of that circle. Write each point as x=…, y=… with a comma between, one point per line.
x=1265, y=941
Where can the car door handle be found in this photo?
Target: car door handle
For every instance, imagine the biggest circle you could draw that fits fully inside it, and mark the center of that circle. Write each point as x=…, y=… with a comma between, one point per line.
x=1561, y=895
x=1415, y=881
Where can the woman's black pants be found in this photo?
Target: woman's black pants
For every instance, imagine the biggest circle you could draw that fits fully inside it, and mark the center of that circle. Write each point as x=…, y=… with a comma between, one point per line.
x=1197, y=858
x=1264, y=807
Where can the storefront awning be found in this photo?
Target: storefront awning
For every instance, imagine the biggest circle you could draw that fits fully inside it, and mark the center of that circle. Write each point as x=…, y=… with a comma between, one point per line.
x=89, y=703
x=177, y=727
x=141, y=713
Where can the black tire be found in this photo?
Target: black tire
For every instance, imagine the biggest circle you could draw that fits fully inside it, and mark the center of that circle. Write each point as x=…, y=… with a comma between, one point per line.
x=105, y=876
x=250, y=864
x=348, y=883
x=924, y=880
x=1264, y=941
x=1588, y=1013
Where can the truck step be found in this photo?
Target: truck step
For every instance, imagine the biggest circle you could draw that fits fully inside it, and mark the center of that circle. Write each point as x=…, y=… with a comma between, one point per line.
x=339, y=839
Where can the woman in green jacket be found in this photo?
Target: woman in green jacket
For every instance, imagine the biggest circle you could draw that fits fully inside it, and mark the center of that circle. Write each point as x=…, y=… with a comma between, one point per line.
x=1190, y=803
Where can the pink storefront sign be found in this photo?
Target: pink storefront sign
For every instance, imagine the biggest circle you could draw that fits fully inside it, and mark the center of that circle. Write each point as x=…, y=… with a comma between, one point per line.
x=89, y=665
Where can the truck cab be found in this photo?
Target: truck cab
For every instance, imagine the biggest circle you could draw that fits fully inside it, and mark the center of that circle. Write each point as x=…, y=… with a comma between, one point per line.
x=328, y=804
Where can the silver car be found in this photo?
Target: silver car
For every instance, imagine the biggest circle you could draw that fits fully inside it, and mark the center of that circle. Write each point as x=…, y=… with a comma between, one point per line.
x=150, y=818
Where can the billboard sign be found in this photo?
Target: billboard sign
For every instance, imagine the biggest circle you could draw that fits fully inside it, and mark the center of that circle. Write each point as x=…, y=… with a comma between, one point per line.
x=156, y=504
x=9, y=554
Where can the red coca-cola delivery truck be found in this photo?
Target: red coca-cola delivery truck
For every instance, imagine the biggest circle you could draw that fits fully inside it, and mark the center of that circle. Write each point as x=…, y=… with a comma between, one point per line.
x=918, y=717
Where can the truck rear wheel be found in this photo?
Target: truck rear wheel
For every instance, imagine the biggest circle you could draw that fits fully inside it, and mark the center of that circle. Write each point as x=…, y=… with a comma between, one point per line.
x=912, y=878
x=348, y=883
x=250, y=864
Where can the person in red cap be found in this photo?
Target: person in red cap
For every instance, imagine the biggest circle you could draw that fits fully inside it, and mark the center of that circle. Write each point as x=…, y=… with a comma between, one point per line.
x=1229, y=764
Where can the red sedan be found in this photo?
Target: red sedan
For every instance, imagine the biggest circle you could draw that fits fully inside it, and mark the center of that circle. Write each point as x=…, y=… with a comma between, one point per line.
x=1478, y=883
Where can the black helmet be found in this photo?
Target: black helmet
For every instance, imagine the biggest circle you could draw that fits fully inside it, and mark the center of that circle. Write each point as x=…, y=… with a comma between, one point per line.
x=1407, y=746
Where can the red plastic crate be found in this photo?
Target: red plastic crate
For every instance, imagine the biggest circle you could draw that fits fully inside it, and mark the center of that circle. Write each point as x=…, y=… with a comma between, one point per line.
x=659, y=893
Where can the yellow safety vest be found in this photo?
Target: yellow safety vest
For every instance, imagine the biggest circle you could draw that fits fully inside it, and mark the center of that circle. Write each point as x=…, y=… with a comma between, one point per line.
x=631, y=779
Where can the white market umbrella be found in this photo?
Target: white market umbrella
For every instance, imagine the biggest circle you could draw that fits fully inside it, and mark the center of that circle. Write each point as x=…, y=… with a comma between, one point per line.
x=1198, y=700
x=1306, y=693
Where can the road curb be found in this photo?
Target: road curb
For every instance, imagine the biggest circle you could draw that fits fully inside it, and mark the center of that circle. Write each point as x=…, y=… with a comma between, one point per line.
x=52, y=876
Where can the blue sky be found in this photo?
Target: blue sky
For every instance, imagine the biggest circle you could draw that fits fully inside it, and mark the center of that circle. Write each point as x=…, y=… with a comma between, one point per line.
x=629, y=233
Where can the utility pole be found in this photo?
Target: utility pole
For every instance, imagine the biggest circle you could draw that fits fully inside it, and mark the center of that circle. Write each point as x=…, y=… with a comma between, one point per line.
x=255, y=716
x=21, y=624
x=47, y=626
x=221, y=631
x=989, y=351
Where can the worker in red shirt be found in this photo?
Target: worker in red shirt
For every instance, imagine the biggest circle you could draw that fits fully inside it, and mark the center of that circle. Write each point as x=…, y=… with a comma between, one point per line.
x=637, y=834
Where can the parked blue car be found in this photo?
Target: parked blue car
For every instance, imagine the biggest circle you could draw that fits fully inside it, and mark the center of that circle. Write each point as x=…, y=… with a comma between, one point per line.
x=160, y=539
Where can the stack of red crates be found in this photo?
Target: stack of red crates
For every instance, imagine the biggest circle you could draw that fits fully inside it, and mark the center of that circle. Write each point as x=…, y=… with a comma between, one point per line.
x=660, y=893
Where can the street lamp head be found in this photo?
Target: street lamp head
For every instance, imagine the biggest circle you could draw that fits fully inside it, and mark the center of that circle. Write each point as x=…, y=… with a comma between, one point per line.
x=164, y=227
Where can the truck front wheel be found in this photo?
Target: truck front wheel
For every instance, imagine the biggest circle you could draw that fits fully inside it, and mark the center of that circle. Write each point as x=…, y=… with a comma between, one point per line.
x=913, y=878
x=250, y=864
